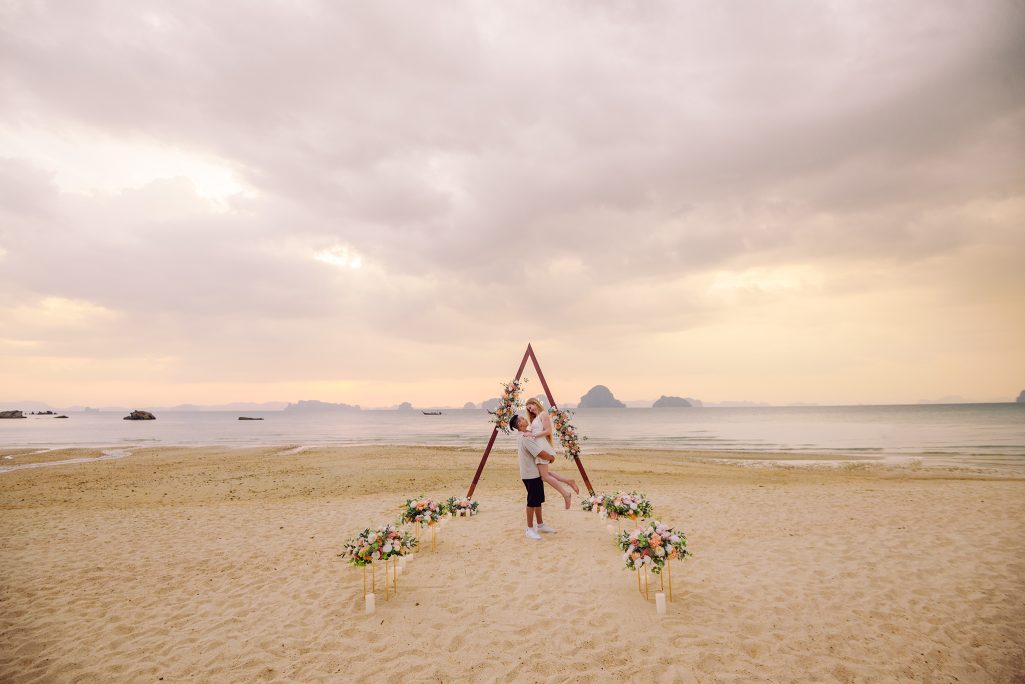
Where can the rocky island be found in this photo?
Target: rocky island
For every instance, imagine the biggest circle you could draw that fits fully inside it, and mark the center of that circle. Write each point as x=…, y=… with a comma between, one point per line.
x=600, y=396
x=140, y=415
x=12, y=414
x=1021, y=397
x=670, y=402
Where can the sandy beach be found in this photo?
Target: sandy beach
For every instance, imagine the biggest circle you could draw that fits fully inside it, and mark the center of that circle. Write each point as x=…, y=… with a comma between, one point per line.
x=220, y=565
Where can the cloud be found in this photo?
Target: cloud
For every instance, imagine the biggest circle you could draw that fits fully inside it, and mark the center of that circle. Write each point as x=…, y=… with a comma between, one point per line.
x=333, y=186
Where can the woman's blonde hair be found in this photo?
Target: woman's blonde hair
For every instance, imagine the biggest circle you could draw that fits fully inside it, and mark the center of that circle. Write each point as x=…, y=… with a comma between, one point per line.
x=540, y=409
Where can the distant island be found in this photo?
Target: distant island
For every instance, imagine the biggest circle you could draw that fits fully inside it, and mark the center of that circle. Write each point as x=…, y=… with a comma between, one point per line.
x=469, y=405
x=600, y=396
x=490, y=404
x=1021, y=397
x=404, y=406
x=670, y=402
x=312, y=405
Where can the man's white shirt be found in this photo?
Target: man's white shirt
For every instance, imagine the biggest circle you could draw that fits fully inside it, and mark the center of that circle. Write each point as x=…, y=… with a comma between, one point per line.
x=527, y=448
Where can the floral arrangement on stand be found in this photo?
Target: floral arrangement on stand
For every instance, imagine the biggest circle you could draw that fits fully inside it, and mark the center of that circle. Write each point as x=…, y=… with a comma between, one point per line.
x=421, y=511
x=508, y=404
x=594, y=503
x=462, y=507
x=371, y=546
x=652, y=545
x=568, y=437
x=628, y=505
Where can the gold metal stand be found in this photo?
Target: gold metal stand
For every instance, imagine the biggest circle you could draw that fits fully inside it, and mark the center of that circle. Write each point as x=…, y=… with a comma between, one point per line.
x=670, y=573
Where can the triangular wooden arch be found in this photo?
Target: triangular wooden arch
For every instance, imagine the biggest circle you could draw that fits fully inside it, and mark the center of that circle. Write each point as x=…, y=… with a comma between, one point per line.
x=529, y=354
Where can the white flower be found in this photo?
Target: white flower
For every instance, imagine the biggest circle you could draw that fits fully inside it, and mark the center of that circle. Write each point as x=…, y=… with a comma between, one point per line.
x=675, y=539
x=633, y=507
x=659, y=551
x=387, y=548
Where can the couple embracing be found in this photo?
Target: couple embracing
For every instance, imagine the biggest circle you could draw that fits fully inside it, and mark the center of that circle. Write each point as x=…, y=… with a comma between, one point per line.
x=535, y=452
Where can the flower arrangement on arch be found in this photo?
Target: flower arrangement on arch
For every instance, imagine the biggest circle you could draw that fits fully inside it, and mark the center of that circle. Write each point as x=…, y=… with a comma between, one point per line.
x=628, y=505
x=508, y=404
x=568, y=437
x=421, y=511
x=463, y=506
x=371, y=546
x=652, y=545
x=592, y=502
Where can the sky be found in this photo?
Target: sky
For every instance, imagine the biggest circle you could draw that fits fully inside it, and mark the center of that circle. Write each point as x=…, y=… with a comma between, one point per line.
x=371, y=203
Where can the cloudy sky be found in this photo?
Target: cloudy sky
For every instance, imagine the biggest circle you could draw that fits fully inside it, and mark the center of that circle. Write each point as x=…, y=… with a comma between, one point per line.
x=380, y=202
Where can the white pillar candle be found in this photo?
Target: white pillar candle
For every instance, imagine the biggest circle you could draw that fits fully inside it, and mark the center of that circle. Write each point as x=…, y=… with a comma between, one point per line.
x=371, y=604
x=660, y=603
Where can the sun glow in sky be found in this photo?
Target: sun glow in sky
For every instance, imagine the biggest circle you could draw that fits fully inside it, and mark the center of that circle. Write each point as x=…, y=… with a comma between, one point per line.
x=82, y=162
x=372, y=204
x=340, y=256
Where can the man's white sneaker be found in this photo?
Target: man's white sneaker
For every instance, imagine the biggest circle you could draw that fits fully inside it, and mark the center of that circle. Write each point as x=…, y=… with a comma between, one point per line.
x=545, y=528
x=531, y=534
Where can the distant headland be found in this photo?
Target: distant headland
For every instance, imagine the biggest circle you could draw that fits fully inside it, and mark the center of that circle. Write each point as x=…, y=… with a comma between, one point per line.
x=313, y=406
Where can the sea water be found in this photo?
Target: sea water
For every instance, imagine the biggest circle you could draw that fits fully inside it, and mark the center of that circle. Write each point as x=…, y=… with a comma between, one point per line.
x=983, y=435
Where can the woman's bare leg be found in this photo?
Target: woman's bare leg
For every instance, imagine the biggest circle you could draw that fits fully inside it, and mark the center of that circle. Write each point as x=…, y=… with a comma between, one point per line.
x=568, y=480
x=547, y=476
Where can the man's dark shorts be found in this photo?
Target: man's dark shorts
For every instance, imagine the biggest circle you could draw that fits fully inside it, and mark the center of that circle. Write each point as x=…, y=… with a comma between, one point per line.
x=535, y=492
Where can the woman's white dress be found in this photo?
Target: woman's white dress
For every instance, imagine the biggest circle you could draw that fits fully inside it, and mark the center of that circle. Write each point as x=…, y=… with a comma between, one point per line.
x=537, y=425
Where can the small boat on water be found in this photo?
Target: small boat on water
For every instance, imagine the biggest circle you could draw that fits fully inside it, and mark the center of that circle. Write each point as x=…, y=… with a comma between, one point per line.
x=431, y=413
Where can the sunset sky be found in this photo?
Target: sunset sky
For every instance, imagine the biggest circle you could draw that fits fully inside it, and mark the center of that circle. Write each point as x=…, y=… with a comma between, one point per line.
x=380, y=202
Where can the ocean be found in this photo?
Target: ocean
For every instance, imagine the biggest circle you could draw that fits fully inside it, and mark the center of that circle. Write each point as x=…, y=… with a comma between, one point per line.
x=974, y=435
